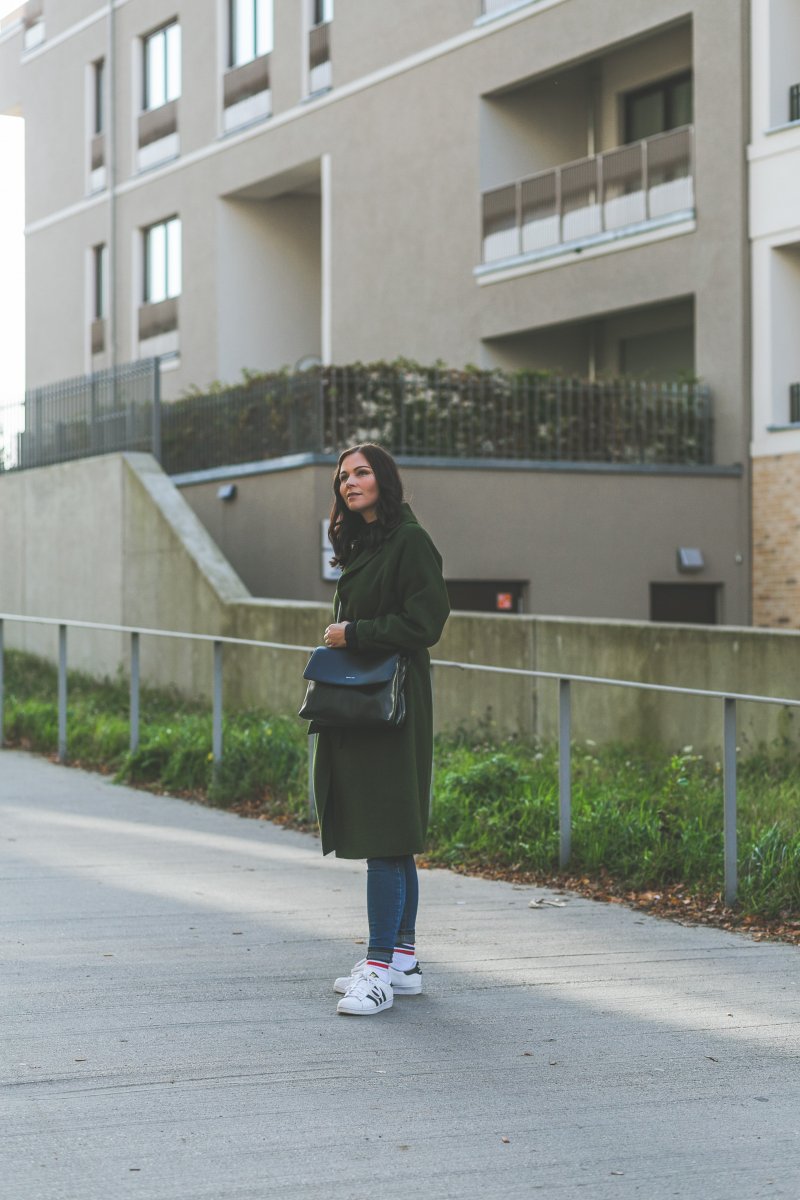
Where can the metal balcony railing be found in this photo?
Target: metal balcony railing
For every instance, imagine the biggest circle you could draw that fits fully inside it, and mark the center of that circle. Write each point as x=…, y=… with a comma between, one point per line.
x=794, y=102
x=627, y=186
x=319, y=58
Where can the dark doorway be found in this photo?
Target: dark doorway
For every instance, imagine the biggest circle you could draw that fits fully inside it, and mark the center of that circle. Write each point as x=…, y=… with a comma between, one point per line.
x=486, y=595
x=687, y=603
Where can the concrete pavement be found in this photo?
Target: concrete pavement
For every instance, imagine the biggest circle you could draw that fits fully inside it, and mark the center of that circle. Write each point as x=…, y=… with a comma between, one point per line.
x=169, y=1030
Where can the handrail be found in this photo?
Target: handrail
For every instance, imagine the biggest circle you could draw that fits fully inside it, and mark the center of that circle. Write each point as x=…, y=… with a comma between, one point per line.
x=435, y=662
x=564, y=680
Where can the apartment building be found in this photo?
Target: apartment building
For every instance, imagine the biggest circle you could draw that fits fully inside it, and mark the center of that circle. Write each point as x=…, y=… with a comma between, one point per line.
x=552, y=183
x=774, y=157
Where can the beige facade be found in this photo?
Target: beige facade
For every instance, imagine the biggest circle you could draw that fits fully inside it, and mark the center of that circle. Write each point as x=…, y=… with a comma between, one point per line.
x=774, y=155
x=401, y=180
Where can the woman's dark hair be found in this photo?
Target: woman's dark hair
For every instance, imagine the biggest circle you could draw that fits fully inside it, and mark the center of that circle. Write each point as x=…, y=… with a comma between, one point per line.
x=348, y=531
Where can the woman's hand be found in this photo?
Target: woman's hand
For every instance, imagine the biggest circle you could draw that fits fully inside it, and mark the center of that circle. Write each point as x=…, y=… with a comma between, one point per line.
x=334, y=636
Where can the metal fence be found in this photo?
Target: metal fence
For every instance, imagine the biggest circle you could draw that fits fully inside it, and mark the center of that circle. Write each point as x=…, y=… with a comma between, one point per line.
x=414, y=411
x=625, y=186
x=117, y=409
x=439, y=413
x=729, y=701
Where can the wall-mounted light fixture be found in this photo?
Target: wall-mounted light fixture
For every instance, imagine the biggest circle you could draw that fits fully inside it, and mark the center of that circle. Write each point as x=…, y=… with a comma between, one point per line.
x=690, y=560
x=226, y=492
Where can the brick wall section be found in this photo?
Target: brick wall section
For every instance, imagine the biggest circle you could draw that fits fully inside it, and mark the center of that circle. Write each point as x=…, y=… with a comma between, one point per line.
x=776, y=541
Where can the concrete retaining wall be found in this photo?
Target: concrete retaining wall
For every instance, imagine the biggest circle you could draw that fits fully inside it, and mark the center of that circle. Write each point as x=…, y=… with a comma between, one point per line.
x=111, y=539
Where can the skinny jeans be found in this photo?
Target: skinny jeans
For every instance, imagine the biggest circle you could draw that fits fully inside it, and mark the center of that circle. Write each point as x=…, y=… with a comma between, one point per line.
x=392, y=901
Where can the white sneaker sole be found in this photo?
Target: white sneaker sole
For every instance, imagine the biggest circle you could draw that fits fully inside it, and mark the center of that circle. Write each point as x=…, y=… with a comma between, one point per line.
x=348, y=1008
x=341, y=985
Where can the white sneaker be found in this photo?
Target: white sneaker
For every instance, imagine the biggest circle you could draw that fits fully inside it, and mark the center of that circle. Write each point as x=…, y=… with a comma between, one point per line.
x=366, y=995
x=404, y=983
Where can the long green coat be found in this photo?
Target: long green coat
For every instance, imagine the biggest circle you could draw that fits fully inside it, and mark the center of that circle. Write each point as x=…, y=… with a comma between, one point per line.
x=372, y=787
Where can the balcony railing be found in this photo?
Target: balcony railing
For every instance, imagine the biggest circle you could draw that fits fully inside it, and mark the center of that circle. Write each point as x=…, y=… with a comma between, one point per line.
x=794, y=403
x=619, y=188
x=319, y=58
x=794, y=102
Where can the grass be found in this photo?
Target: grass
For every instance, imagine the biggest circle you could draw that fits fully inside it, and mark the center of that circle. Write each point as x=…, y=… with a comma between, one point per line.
x=642, y=818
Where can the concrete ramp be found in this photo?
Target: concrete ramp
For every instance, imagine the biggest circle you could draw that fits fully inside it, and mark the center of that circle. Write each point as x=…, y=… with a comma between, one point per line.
x=169, y=1026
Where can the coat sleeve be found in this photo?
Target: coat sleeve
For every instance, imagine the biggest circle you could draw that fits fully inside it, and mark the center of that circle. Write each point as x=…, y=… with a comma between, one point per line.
x=422, y=602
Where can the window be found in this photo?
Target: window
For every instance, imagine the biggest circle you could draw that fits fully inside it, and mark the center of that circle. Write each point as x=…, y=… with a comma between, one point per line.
x=251, y=30
x=659, y=107
x=99, y=282
x=162, y=66
x=162, y=261
x=321, y=12
x=98, y=96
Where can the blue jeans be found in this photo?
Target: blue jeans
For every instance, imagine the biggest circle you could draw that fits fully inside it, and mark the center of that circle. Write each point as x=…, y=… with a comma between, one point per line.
x=392, y=900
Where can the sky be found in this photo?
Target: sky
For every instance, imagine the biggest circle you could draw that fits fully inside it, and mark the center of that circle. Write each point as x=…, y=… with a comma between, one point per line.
x=12, y=252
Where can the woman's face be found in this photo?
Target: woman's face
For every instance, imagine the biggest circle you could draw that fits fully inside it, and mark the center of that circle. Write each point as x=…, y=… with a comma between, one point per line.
x=359, y=487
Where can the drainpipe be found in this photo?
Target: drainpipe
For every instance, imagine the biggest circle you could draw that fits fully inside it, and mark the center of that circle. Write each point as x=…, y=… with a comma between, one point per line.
x=112, y=188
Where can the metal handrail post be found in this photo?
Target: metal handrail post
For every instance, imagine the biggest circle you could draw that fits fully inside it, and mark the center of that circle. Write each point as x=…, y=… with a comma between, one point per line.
x=134, y=717
x=2, y=681
x=564, y=775
x=62, y=693
x=729, y=788
x=216, y=724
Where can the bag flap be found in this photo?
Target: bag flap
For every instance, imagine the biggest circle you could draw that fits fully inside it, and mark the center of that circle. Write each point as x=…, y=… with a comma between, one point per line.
x=346, y=669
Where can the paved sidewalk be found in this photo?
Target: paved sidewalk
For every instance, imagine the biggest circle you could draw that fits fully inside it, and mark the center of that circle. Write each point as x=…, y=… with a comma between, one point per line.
x=169, y=1030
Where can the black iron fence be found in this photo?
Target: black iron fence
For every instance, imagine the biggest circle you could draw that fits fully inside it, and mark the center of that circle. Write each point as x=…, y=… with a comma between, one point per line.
x=110, y=410
x=422, y=412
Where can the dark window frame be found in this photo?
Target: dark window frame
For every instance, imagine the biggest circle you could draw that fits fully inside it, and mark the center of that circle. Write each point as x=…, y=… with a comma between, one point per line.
x=233, y=34
x=667, y=85
x=147, y=282
x=146, y=39
x=100, y=297
x=98, y=93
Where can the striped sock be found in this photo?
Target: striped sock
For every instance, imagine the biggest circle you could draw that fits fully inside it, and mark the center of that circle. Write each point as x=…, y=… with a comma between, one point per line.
x=380, y=968
x=404, y=957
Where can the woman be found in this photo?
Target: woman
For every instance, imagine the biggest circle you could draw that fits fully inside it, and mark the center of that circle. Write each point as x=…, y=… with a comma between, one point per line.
x=372, y=788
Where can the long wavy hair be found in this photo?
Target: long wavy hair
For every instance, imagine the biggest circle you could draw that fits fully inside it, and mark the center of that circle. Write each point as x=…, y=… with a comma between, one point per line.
x=347, y=531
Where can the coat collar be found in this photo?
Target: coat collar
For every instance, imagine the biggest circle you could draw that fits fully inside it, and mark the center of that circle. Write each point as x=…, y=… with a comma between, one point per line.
x=407, y=518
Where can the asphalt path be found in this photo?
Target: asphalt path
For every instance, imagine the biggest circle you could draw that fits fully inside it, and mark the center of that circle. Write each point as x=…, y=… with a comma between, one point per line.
x=169, y=1030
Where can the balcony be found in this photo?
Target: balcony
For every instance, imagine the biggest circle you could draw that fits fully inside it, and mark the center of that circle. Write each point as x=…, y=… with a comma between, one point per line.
x=247, y=93
x=623, y=190
x=320, y=76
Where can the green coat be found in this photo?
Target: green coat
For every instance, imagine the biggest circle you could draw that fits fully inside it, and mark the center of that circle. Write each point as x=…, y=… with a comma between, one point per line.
x=372, y=788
